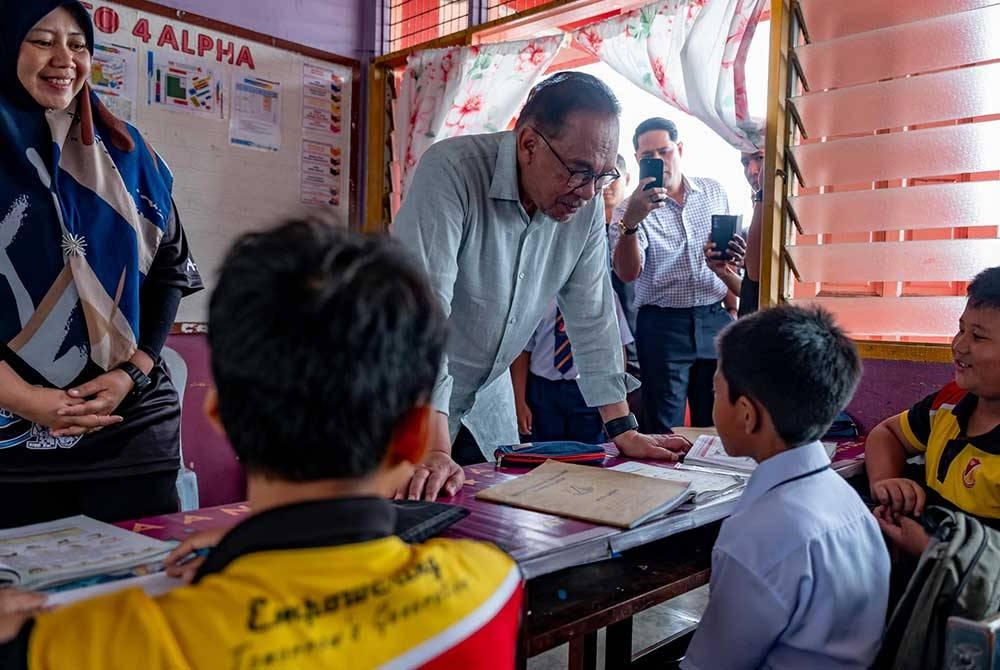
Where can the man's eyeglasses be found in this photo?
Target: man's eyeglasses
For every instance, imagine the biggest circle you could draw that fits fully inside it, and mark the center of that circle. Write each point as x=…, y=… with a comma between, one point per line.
x=580, y=178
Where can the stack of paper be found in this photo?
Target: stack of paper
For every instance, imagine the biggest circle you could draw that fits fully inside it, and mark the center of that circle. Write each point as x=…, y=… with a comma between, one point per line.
x=48, y=554
x=591, y=494
x=706, y=486
x=708, y=452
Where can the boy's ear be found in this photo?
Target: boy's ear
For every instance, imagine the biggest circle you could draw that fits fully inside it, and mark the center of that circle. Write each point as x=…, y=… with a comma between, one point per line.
x=411, y=438
x=211, y=409
x=749, y=414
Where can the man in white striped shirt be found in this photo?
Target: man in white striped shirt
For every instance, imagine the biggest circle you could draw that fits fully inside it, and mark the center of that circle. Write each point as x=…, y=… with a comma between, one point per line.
x=658, y=243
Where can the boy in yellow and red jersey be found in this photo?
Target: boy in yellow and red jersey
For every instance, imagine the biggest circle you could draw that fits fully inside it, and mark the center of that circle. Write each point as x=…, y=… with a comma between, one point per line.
x=956, y=428
x=325, y=347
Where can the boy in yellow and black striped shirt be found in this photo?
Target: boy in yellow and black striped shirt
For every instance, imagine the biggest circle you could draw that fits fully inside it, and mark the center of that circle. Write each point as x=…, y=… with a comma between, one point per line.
x=325, y=347
x=956, y=428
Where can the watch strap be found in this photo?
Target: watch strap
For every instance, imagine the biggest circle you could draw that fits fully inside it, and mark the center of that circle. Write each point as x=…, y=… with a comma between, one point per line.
x=623, y=424
x=139, y=378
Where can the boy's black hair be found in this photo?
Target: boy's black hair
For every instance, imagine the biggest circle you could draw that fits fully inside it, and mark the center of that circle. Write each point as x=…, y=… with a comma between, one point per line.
x=655, y=123
x=984, y=290
x=322, y=340
x=796, y=362
x=552, y=101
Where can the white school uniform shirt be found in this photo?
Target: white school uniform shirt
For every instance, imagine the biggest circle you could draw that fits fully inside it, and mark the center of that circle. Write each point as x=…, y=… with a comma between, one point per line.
x=542, y=344
x=800, y=574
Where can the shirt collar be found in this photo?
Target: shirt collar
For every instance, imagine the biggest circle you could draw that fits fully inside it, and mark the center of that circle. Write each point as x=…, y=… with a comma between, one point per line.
x=786, y=465
x=691, y=185
x=988, y=441
x=320, y=523
x=504, y=185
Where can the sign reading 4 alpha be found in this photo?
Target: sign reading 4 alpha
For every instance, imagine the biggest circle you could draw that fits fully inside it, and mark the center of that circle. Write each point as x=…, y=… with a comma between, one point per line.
x=107, y=20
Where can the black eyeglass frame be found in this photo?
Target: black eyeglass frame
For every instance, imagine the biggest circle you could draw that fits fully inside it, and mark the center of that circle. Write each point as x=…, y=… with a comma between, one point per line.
x=581, y=176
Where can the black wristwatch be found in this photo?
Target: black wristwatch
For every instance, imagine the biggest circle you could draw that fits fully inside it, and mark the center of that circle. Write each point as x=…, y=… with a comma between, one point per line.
x=616, y=427
x=758, y=196
x=140, y=381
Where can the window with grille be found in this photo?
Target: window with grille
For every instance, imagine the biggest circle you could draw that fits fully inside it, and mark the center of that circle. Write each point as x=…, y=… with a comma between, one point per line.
x=893, y=161
x=498, y=9
x=413, y=22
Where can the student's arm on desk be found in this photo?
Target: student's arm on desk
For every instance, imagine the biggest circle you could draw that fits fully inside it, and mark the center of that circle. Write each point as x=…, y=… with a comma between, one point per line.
x=741, y=623
x=430, y=224
x=16, y=609
x=886, y=451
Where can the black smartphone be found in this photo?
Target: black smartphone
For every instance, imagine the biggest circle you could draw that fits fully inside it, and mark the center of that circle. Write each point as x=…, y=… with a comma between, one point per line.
x=724, y=228
x=651, y=167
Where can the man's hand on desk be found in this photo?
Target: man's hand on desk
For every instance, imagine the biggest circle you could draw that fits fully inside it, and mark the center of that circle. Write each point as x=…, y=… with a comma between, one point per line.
x=185, y=559
x=437, y=474
x=661, y=447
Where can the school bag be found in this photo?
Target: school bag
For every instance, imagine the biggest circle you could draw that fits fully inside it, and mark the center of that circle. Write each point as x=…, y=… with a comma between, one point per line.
x=842, y=426
x=958, y=575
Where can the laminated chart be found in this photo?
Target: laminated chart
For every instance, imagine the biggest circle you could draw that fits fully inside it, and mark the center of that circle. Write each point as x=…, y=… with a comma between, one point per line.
x=255, y=120
x=113, y=77
x=184, y=87
x=322, y=174
x=322, y=99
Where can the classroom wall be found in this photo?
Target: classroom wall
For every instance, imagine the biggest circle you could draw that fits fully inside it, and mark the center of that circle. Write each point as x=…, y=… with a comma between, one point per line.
x=889, y=387
x=330, y=25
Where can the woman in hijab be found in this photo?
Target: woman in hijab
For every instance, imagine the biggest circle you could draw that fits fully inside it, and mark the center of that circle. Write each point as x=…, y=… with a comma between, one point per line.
x=93, y=263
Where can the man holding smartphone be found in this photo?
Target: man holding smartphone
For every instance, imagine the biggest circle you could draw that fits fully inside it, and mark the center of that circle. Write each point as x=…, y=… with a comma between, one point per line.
x=658, y=243
x=504, y=224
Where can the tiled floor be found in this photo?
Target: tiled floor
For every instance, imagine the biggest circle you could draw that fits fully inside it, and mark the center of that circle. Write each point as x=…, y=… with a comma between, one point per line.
x=648, y=628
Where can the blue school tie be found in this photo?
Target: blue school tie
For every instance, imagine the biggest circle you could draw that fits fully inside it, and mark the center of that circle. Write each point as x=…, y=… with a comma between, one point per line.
x=563, y=353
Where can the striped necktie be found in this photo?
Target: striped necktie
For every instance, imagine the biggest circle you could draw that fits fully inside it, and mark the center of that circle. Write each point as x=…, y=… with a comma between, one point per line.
x=563, y=352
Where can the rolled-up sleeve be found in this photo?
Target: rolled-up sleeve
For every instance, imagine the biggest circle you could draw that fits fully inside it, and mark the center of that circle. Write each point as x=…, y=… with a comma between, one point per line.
x=743, y=619
x=587, y=304
x=430, y=224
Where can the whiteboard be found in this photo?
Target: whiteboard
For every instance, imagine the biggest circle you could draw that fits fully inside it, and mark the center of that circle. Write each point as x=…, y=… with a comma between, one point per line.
x=224, y=185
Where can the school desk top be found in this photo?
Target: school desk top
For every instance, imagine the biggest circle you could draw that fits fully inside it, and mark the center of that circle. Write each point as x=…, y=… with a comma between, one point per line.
x=540, y=543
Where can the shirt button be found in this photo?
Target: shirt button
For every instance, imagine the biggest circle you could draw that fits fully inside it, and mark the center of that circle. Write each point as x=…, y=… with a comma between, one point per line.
x=521, y=276
x=512, y=321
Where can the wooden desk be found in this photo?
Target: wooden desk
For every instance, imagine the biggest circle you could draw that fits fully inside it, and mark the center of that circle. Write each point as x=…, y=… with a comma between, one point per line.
x=571, y=605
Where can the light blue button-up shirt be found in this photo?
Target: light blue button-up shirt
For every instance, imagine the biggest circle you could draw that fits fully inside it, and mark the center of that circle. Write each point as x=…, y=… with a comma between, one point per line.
x=800, y=574
x=496, y=270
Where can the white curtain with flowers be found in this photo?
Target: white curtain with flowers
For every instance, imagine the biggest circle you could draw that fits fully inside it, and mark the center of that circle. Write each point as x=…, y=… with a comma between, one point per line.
x=689, y=53
x=462, y=91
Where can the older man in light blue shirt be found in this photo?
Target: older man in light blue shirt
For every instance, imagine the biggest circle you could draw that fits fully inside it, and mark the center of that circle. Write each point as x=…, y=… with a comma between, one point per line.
x=505, y=223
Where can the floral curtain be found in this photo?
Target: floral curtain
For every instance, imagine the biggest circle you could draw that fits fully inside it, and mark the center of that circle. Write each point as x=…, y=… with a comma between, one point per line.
x=689, y=53
x=462, y=91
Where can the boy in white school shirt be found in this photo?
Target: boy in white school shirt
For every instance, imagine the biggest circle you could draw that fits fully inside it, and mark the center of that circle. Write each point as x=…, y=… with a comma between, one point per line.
x=800, y=573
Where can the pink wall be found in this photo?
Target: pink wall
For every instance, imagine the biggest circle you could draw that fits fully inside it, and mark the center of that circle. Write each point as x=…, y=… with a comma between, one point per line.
x=330, y=25
x=889, y=387
x=220, y=477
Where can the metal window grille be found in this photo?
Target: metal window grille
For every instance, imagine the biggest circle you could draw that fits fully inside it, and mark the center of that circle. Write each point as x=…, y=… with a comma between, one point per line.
x=412, y=22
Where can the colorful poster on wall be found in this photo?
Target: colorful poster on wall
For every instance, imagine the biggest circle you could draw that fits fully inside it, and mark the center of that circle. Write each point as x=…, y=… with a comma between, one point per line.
x=113, y=77
x=322, y=99
x=255, y=120
x=322, y=174
x=185, y=87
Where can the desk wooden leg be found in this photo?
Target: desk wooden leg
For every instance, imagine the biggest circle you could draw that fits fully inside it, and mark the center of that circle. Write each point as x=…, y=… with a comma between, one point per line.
x=583, y=652
x=618, y=645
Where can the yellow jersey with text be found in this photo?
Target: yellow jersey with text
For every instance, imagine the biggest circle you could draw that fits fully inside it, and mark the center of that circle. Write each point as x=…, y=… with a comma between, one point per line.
x=963, y=470
x=379, y=603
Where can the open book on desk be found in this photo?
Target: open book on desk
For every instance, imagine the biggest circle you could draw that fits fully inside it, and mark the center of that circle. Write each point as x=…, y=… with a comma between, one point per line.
x=706, y=487
x=49, y=554
x=597, y=495
x=708, y=455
